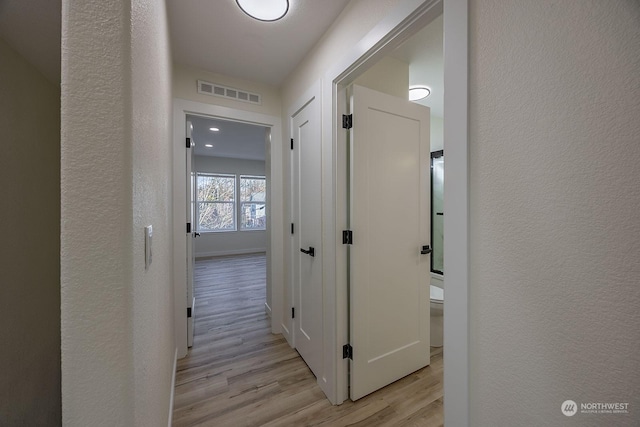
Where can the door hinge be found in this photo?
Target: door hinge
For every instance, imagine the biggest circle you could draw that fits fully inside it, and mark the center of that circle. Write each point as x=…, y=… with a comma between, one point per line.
x=188, y=311
x=292, y=228
x=347, y=351
x=347, y=237
x=292, y=143
x=347, y=121
x=188, y=142
x=188, y=227
x=293, y=312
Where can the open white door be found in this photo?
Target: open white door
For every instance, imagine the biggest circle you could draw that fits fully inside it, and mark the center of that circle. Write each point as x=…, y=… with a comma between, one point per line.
x=191, y=234
x=307, y=234
x=389, y=218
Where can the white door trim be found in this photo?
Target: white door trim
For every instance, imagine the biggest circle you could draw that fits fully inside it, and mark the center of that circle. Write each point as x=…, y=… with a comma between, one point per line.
x=275, y=219
x=403, y=21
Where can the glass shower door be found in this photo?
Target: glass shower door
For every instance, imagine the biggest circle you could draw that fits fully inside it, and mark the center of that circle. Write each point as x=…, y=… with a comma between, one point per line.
x=437, y=211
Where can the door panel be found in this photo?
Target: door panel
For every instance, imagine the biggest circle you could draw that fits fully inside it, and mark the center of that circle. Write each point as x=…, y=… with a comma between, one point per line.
x=389, y=217
x=307, y=323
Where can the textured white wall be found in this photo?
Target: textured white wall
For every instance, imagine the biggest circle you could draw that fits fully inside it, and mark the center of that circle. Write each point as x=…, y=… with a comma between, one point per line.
x=30, y=248
x=96, y=197
x=117, y=336
x=153, y=340
x=555, y=201
x=230, y=242
x=185, y=87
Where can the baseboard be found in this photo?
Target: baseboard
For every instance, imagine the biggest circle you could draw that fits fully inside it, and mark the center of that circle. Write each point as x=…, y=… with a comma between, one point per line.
x=173, y=387
x=267, y=309
x=230, y=252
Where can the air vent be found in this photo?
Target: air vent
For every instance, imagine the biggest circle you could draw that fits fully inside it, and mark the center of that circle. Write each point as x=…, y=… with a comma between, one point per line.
x=215, y=89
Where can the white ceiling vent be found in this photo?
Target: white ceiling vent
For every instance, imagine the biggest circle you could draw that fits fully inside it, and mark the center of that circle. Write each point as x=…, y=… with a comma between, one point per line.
x=215, y=89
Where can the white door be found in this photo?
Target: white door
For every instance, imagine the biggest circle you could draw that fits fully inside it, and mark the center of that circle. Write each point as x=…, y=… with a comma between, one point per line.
x=307, y=235
x=191, y=234
x=389, y=218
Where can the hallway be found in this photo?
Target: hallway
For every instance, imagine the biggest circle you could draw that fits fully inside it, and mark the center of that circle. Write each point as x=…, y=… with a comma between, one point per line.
x=239, y=374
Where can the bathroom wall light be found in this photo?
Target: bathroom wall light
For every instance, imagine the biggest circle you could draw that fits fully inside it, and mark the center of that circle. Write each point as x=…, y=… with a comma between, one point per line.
x=264, y=10
x=418, y=92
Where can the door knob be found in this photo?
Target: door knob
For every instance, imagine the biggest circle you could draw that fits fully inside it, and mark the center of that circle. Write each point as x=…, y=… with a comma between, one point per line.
x=311, y=251
x=426, y=250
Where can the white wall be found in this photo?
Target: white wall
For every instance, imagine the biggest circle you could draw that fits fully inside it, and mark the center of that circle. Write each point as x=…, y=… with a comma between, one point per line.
x=153, y=339
x=554, y=154
x=185, y=87
x=358, y=18
x=437, y=133
x=30, y=249
x=117, y=334
x=389, y=75
x=230, y=242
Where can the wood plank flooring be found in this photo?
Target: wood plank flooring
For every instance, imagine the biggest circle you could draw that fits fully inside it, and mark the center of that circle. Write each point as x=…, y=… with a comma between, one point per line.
x=239, y=374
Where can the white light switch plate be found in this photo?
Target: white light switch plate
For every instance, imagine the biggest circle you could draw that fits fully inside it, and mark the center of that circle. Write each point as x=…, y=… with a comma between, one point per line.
x=148, y=239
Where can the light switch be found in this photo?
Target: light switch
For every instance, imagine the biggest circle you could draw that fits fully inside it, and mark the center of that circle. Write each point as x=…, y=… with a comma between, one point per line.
x=148, y=239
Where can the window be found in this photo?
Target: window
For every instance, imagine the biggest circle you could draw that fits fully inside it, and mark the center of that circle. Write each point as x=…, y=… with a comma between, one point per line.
x=252, y=203
x=216, y=202
x=219, y=209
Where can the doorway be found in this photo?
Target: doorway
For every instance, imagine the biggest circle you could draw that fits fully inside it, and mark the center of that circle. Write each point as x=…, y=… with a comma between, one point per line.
x=226, y=195
x=408, y=18
x=251, y=208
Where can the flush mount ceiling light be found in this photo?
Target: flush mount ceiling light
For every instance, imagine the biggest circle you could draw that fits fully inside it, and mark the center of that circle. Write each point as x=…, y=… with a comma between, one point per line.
x=264, y=10
x=418, y=92
x=214, y=129
x=208, y=145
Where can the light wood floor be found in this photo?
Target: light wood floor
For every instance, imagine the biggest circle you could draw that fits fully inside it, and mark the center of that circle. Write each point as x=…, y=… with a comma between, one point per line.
x=239, y=374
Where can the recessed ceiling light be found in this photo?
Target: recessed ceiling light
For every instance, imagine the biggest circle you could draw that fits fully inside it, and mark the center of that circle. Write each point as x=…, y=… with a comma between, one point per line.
x=264, y=10
x=208, y=145
x=418, y=92
x=214, y=129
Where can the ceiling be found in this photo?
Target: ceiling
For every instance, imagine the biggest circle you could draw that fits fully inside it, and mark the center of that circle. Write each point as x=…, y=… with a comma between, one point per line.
x=219, y=37
x=233, y=140
x=214, y=35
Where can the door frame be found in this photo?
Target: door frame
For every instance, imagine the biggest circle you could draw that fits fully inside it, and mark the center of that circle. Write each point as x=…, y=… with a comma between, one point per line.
x=403, y=21
x=275, y=216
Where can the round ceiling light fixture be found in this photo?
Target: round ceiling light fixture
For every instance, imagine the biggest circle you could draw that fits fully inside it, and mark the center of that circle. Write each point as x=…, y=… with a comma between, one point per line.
x=208, y=145
x=214, y=129
x=264, y=10
x=417, y=93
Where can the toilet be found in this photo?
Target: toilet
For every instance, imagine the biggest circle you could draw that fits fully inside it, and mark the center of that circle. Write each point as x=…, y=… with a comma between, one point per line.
x=436, y=305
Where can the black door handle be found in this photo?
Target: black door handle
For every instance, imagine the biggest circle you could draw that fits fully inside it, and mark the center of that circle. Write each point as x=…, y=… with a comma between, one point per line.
x=426, y=250
x=311, y=251
x=196, y=234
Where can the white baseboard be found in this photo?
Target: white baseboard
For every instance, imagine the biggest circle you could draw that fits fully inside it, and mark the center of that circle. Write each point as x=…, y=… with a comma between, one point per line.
x=173, y=387
x=230, y=252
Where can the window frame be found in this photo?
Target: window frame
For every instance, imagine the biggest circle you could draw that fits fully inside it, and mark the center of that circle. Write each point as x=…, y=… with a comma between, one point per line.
x=242, y=202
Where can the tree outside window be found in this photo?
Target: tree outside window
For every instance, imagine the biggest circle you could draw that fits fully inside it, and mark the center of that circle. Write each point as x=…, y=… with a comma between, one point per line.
x=252, y=203
x=216, y=202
